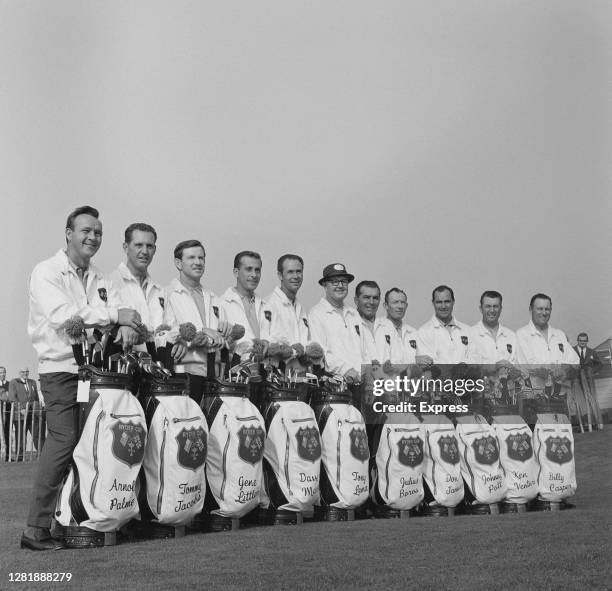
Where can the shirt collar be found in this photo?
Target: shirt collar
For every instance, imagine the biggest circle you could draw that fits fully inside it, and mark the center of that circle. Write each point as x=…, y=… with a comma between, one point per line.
x=67, y=266
x=438, y=324
x=536, y=331
x=483, y=330
x=126, y=274
x=282, y=296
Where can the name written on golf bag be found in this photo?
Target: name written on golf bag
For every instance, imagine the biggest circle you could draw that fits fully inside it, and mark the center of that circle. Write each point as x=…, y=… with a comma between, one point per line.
x=480, y=466
x=292, y=457
x=175, y=459
x=235, y=452
x=441, y=468
x=100, y=490
x=553, y=441
x=344, y=456
x=400, y=457
x=517, y=458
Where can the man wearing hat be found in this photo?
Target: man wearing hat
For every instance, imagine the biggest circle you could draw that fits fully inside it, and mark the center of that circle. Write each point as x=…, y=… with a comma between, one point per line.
x=336, y=326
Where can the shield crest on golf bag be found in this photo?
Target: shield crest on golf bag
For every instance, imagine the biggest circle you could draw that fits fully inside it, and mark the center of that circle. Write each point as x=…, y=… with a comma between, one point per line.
x=100, y=491
x=344, y=456
x=517, y=458
x=175, y=458
x=235, y=451
x=479, y=454
x=400, y=457
x=292, y=455
x=441, y=469
x=553, y=441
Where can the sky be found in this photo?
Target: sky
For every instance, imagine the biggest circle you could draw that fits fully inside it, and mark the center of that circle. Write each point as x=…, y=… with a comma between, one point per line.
x=418, y=143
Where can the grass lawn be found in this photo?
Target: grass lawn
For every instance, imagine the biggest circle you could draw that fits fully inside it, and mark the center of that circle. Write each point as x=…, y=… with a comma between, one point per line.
x=566, y=550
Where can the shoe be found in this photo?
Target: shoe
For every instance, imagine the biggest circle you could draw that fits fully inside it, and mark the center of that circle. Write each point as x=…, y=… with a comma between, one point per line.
x=33, y=544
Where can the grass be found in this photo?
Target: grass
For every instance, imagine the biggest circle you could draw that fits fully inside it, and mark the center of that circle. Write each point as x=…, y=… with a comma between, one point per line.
x=566, y=550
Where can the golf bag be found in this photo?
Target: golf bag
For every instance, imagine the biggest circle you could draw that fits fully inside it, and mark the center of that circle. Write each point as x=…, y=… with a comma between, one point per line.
x=517, y=458
x=397, y=473
x=553, y=441
x=344, y=480
x=235, y=451
x=441, y=468
x=292, y=456
x=480, y=467
x=175, y=453
x=100, y=491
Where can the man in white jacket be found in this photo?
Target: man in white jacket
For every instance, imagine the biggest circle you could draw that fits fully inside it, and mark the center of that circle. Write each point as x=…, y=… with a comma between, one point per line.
x=543, y=349
x=396, y=340
x=242, y=305
x=443, y=338
x=336, y=326
x=288, y=322
x=62, y=288
x=132, y=278
x=187, y=301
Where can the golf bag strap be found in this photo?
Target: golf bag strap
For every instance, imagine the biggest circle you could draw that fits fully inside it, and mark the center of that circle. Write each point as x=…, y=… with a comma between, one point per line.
x=210, y=364
x=211, y=415
x=325, y=413
x=270, y=414
x=77, y=508
x=277, y=498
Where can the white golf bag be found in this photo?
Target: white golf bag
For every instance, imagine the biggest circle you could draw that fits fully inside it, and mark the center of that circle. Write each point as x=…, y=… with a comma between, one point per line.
x=441, y=469
x=480, y=466
x=100, y=491
x=292, y=456
x=174, y=461
x=397, y=475
x=344, y=453
x=553, y=441
x=517, y=458
x=235, y=451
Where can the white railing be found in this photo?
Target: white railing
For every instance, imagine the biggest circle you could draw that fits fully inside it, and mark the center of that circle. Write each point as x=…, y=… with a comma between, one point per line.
x=23, y=431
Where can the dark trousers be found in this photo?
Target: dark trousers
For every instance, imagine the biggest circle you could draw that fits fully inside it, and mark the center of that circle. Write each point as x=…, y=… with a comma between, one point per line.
x=59, y=390
x=5, y=409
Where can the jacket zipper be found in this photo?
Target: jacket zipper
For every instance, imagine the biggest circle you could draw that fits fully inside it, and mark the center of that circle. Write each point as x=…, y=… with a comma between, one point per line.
x=302, y=420
x=338, y=455
x=185, y=420
x=287, y=444
x=161, y=468
x=114, y=416
x=95, y=457
x=246, y=418
x=388, y=462
x=227, y=442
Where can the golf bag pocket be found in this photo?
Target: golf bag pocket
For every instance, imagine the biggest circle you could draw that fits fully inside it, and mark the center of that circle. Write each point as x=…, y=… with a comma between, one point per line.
x=517, y=458
x=400, y=458
x=441, y=468
x=292, y=456
x=553, y=441
x=101, y=492
x=174, y=459
x=344, y=456
x=480, y=466
x=235, y=451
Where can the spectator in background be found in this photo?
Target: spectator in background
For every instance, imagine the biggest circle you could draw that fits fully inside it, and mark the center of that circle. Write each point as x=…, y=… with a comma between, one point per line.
x=5, y=410
x=23, y=390
x=584, y=385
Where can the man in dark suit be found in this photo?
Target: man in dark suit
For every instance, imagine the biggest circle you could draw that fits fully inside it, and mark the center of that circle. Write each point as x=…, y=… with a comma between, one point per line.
x=23, y=390
x=589, y=365
x=5, y=411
